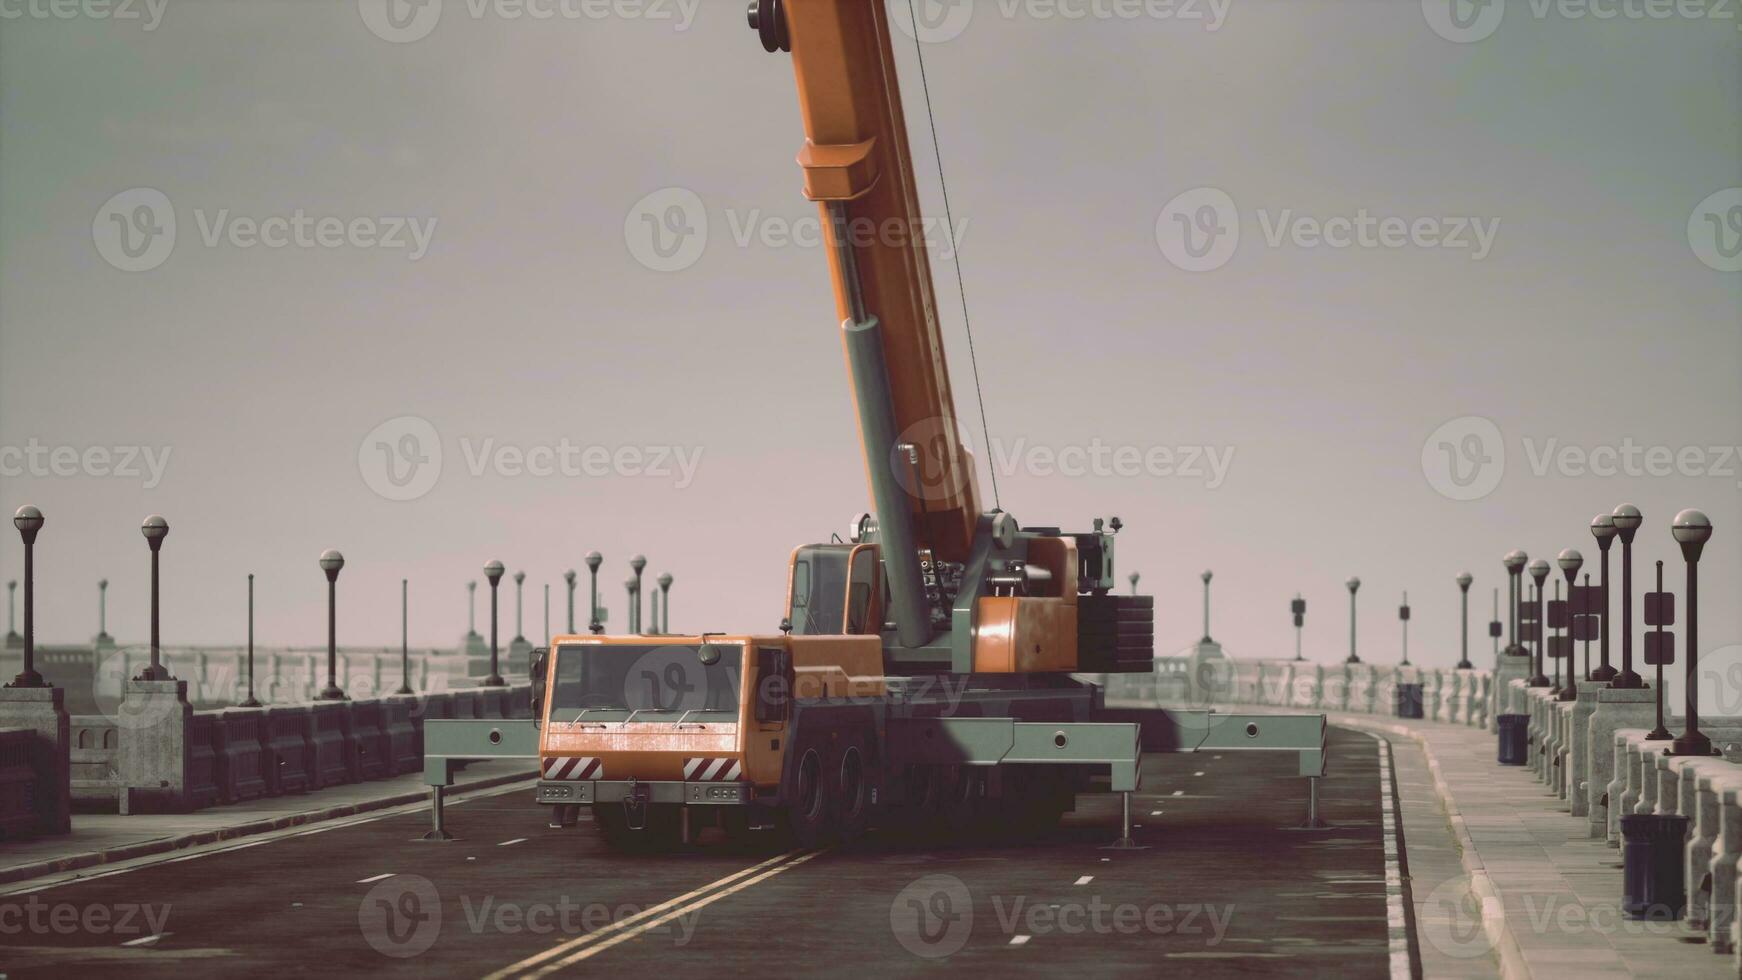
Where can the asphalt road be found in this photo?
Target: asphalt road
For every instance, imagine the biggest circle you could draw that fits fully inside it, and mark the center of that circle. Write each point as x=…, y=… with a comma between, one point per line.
x=1227, y=885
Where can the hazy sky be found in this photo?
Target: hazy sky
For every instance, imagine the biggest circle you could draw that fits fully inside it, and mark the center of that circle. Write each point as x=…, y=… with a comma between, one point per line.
x=1532, y=240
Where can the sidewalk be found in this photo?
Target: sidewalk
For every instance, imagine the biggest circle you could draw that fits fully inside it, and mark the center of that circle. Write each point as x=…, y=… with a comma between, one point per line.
x=106, y=838
x=1561, y=891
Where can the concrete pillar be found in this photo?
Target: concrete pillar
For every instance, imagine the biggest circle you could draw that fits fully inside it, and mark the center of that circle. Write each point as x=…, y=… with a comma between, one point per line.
x=1618, y=709
x=1641, y=777
x=1702, y=839
x=42, y=710
x=1609, y=807
x=1726, y=851
x=1579, y=750
x=152, y=758
x=1512, y=668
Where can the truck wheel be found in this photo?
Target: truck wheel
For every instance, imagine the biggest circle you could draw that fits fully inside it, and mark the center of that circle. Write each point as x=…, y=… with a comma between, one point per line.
x=663, y=829
x=964, y=801
x=810, y=816
x=852, y=791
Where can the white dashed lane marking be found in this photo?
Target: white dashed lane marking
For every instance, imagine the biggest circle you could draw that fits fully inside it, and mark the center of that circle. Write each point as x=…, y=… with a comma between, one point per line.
x=371, y=881
x=1085, y=879
x=1020, y=940
x=517, y=840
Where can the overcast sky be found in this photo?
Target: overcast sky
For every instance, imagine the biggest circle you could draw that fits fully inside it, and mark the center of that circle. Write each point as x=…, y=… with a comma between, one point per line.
x=565, y=298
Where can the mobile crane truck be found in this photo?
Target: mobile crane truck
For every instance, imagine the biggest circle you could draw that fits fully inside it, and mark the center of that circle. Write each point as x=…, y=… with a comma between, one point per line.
x=922, y=676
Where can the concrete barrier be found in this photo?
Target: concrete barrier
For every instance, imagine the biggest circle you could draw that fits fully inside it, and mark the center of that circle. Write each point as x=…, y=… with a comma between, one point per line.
x=93, y=741
x=17, y=783
x=290, y=737
x=404, y=736
x=202, y=766
x=370, y=758
x=333, y=751
x=465, y=704
x=242, y=749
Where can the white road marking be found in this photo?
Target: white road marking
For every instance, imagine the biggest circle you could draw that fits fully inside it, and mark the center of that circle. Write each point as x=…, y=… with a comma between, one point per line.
x=509, y=843
x=371, y=881
x=1179, y=792
x=146, y=940
x=1200, y=772
x=1020, y=940
x=1085, y=879
x=1155, y=813
x=1396, y=923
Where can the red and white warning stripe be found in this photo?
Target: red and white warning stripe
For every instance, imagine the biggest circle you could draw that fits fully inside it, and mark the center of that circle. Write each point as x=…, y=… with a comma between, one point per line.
x=573, y=768
x=712, y=770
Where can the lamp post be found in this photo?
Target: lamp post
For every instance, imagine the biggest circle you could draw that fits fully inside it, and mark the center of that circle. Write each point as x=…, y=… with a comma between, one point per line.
x=1692, y=529
x=28, y=521
x=1603, y=529
x=331, y=561
x=632, y=599
x=103, y=637
x=594, y=560
x=1135, y=578
x=155, y=530
x=1403, y=617
x=12, y=637
x=663, y=624
x=653, y=611
x=638, y=563
x=250, y=701
x=1298, y=607
x=1494, y=627
x=1353, y=584
x=569, y=577
x=519, y=608
x=1570, y=561
x=404, y=637
x=471, y=611
x=1464, y=581
x=1206, y=577
x=1539, y=572
x=1515, y=561
x=1627, y=520
x=493, y=572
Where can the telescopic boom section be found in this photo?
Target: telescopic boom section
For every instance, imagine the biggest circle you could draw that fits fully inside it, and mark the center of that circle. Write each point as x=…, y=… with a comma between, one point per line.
x=858, y=167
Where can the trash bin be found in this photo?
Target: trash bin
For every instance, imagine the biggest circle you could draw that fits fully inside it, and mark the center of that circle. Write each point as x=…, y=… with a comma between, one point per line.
x=1652, y=884
x=1514, y=739
x=1409, y=698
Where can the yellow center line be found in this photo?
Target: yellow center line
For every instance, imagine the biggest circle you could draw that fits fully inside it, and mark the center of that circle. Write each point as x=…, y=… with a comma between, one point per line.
x=535, y=960
x=651, y=924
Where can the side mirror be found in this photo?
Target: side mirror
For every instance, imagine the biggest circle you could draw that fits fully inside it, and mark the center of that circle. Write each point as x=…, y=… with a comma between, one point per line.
x=537, y=663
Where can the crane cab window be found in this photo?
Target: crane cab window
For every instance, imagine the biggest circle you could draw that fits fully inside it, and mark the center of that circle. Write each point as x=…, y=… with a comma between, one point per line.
x=819, y=590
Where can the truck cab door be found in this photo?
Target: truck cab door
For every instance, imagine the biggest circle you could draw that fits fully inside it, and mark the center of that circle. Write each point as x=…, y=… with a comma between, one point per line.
x=770, y=712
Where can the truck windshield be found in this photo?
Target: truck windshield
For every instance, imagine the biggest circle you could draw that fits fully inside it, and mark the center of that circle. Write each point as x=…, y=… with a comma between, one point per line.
x=662, y=682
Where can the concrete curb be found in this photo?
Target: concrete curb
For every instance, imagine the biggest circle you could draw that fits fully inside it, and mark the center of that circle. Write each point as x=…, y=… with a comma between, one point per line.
x=1499, y=932
x=88, y=859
